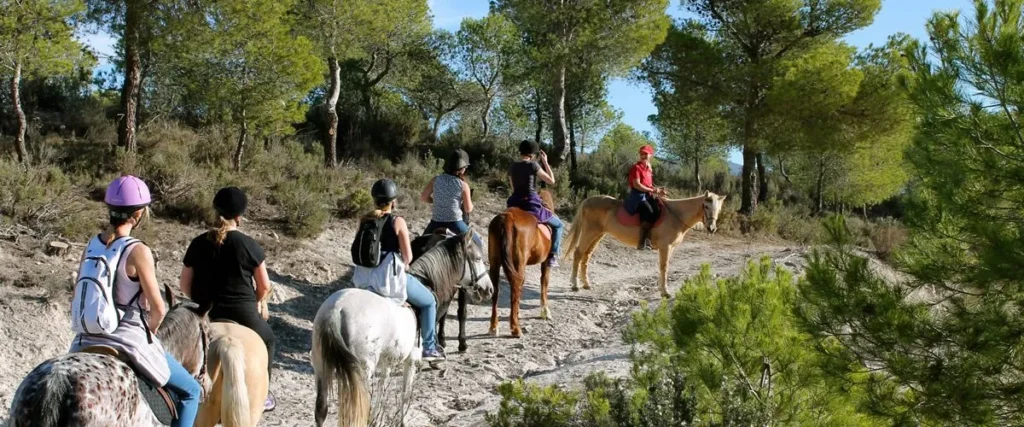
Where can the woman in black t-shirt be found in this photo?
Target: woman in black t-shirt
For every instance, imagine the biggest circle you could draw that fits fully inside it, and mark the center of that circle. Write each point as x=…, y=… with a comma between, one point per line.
x=225, y=271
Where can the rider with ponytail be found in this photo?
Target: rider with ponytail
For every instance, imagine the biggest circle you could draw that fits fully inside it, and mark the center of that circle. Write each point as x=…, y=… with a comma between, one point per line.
x=225, y=270
x=137, y=294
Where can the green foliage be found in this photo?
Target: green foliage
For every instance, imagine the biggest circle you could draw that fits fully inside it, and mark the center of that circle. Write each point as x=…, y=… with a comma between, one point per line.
x=47, y=200
x=239, y=63
x=38, y=36
x=528, y=405
x=738, y=342
x=940, y=347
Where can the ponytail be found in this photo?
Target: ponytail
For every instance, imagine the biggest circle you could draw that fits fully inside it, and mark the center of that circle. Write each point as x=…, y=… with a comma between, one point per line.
x=220, y=233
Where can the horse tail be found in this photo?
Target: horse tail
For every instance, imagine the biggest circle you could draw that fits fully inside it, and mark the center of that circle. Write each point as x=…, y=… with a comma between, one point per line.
x=336, y=361
x=234, y=407
x=502, y=250
x=42, y=399
x=575, y=231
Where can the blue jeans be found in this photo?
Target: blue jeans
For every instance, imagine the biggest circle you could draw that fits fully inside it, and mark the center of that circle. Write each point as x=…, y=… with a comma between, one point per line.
x=421, y=298
x=457, y=227
x=188, y=391
x=556, y=234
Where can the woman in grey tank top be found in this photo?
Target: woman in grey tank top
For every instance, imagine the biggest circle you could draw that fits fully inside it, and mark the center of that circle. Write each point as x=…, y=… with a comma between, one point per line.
x=450, y=196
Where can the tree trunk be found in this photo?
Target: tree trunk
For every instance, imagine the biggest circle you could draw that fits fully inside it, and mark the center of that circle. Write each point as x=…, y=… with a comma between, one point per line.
x=572, y=140
x=762, y=181
x=132, y=76
x=19, y=136
x=485, y=116
x=331, y=113
x=242, y=135
x=435, y=130
x=696, y=174
x=819, y=187
x=749, y=200
x=540, y=117
x=559, y=133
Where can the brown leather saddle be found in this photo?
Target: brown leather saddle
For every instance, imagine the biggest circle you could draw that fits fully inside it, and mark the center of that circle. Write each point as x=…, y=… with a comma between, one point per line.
x=163, y=403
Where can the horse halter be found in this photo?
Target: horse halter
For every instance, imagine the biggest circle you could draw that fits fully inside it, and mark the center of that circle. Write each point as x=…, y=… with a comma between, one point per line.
x=708, y=207
x=472, y=267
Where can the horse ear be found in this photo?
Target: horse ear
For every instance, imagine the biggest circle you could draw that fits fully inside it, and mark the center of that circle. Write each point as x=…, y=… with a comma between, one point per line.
x=169, y=297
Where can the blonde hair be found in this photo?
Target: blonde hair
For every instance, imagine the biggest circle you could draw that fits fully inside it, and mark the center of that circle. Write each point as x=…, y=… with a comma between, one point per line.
x=220, y=233
x=379, y=212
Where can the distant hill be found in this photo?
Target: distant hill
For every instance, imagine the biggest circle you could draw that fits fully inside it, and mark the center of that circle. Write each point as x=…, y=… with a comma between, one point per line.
x=735, y=169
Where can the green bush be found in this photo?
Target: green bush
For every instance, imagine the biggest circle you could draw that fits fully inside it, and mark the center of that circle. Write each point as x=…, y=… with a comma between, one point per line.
x=303, y=211
x=47, y=200
x=356, y=203
x=725, y=352
x=887, y=236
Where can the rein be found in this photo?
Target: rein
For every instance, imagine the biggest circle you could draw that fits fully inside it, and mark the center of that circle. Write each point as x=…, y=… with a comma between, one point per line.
x=472, y=268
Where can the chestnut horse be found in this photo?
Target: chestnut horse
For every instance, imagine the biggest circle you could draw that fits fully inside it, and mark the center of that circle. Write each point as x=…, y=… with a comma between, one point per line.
x=599, y=215
x=515, y=241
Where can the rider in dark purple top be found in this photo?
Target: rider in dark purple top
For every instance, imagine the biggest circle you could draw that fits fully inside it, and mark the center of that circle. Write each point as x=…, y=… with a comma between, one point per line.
x=523, y=176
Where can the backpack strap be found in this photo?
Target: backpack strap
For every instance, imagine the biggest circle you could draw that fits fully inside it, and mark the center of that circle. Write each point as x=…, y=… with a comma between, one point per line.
x=129, y=243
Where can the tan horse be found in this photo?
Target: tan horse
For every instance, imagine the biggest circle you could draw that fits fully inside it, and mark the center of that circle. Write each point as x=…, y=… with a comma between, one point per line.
x=237, y=367
x=599, y=215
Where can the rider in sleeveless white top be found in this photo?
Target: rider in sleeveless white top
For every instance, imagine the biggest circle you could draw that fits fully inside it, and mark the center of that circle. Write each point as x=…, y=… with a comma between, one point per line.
x=132, y=337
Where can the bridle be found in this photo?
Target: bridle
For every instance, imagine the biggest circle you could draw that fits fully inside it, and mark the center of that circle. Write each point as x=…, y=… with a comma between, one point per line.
x=473, y=273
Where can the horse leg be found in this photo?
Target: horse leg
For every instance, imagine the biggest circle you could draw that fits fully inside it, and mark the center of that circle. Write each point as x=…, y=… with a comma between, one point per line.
x=517, y=292
x=322, y=392
x=442, y=314
x=495, y=280
x=410, y=373
x=585, y=260
x=663, y=255
x=462, y=321
x=545, y=312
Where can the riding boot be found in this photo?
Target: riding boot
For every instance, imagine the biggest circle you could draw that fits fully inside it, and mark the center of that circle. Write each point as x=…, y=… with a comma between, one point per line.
x=645, y=237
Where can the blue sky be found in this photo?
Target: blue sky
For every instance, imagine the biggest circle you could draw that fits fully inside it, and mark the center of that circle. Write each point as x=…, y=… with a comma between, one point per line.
x=908, y=16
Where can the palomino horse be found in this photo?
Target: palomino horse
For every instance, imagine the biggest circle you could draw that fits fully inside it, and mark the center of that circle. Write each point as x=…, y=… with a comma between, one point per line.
x=598, y=216
x=355, y=330
x=237, y=368
x=515, y=241
x=91, y=389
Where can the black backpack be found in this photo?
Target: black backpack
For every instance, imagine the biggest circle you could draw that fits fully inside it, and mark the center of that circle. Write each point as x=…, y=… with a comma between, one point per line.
x=366, y=246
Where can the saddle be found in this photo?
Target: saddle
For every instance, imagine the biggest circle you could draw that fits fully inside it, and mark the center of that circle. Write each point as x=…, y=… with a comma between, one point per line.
x=163, y=403
x=634, y=220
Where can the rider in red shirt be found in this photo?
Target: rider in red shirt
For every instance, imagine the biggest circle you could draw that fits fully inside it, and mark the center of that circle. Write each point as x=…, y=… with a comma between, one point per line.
x=643, y=195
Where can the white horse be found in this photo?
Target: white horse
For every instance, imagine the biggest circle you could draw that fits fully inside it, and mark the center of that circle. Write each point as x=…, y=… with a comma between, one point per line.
x=356, y=330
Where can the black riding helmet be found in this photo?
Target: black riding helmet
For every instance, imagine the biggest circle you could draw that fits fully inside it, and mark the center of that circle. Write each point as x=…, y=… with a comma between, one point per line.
x=528, y=147
x=457, y=160
x=384, y=191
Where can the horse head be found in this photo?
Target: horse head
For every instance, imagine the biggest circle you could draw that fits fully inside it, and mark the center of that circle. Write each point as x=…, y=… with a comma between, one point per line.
x=712, y=207
x=475, y=280
x=185, y=333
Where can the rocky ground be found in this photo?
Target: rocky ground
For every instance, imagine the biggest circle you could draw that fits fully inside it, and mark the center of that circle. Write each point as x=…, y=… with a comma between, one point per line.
x=583, y=336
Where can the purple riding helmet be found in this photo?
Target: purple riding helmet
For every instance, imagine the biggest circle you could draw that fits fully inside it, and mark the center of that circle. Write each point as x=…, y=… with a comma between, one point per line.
x=127, y=193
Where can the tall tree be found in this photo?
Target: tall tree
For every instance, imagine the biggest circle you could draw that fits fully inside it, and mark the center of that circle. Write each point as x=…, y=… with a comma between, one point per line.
x=438, y=91
x=366, y=32
x=36, y=39
x=694, y=133
x=485, y=49
x=941, y=345
x=731, y=55
x=616, y=34
x=242, y=65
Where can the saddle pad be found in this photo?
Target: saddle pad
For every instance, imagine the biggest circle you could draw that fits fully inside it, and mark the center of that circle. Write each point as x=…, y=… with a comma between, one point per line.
x=545, y=230
x=163, y=404
x=634, y=220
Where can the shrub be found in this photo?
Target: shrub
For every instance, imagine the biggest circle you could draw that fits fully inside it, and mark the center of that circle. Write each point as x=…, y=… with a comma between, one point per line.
x=354, y=204
x=886, y=236
x=303, y=211
x=47, y=200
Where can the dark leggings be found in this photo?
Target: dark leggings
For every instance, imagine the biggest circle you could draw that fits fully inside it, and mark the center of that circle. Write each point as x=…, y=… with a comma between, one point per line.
x=648, y=211
x=246, y=315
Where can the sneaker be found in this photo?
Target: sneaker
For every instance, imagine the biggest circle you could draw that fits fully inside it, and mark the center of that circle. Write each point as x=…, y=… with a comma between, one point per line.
x=270, y=403
x=433, y=355
x=552, y=261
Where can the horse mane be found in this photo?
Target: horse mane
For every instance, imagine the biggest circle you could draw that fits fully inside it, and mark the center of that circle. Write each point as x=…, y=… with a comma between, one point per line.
x=182, y=327
x=439, y=269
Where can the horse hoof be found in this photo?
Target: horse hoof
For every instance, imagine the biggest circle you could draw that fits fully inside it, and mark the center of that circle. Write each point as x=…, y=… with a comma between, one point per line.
x=544, y=314
x=575, y=289
x=493, y=332
x=463, y=348
x=665, y=295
